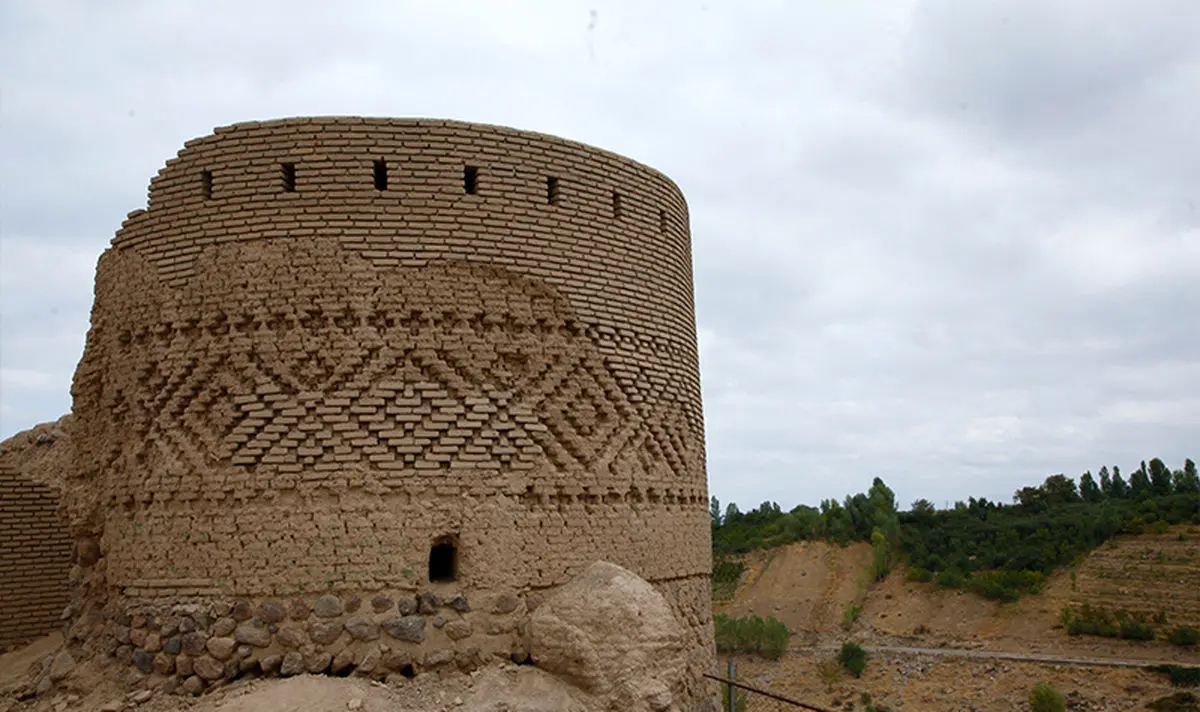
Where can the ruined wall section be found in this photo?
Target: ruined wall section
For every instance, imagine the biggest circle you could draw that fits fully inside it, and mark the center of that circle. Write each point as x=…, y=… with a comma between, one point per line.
x=35, y=559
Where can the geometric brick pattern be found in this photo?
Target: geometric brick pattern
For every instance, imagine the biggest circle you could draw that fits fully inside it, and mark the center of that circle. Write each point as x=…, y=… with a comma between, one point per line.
x=35, y=557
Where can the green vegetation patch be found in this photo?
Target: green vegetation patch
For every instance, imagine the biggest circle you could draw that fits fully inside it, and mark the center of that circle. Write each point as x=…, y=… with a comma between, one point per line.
x=1184, y=635
x=853, y=658
x=996, y=550
x=1093, y=620
x=1178, y=702
x=1179, y=675
x=1044, y=698
x=751, y=634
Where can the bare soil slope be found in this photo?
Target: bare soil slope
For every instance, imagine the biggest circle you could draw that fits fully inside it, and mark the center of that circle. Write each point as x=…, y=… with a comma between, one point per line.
x=809, y=585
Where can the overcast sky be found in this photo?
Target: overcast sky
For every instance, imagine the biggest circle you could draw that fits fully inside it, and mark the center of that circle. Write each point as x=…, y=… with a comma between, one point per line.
x=951, y=244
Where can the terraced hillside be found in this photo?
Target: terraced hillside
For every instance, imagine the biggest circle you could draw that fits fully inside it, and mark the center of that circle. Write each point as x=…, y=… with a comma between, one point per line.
x=810, y=585
x=1147, y=573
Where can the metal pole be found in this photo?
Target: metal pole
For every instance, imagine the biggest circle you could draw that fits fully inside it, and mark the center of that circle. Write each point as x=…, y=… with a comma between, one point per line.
x=732, y=691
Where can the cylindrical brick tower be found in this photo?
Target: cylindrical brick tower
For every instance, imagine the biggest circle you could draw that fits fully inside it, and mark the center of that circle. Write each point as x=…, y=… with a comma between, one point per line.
x=338, y=363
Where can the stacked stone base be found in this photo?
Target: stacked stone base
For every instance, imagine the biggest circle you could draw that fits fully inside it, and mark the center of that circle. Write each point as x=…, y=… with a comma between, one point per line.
x=194, y=645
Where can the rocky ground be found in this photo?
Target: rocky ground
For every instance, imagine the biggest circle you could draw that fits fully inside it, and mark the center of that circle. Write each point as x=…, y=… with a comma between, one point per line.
x=928, y=683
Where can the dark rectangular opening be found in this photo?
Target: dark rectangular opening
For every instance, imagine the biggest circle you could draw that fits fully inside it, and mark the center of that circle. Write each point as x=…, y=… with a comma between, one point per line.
x=381, y=174
x=289, y=177
x=551, y=190
x=443, y=560
x=662, y=220
x=616, y=204
x=206, y=184
x=471, y=180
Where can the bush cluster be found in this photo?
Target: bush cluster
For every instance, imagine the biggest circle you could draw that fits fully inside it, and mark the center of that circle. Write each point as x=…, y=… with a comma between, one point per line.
x=1093, y=620
x=751, y=634
x=1044, y=698
x=1184, y=635
x=1180, y=676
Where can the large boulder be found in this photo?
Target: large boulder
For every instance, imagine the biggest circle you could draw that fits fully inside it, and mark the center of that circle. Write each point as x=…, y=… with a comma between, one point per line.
x=610, y=634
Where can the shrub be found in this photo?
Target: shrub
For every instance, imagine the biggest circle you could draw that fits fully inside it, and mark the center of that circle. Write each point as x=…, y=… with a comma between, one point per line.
x=853, y=658
x=829, y=672
x=917, y=573
x=1184, y=635
x=1005, y=586
x=751, y=634
x=1090, y=620
x=728, y=571
x=850, y=615
x=1178, y=702
x=1179, y=675
x=1134, y=630
x=1045, y=698
x=951, y=578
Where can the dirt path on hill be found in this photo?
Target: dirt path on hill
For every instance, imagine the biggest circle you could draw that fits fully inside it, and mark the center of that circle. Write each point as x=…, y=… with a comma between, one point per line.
x=997, y=655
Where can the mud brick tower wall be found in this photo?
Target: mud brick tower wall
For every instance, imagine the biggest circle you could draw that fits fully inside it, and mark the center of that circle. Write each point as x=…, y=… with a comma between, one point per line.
x=360, y=392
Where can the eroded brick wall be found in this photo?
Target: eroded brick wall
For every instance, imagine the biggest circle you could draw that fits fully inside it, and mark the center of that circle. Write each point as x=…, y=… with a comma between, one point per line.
x=330, y=343
x=35, y=559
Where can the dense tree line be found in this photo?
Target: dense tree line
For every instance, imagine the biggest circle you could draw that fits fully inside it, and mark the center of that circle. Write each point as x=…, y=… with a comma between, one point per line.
x=997, y=549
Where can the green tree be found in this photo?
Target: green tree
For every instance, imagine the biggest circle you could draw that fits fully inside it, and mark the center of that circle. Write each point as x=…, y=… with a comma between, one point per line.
x=835, y=522
x=923, y=508
x=1160, y=477
x=881, y=555
x=714, y=512
x=732, y=513
x=1060, y=489
x=1088, y=489
x=1186, y=481
x=1031, y=497
x=1105, y=481
x=1120, y=490
x=1139, y=482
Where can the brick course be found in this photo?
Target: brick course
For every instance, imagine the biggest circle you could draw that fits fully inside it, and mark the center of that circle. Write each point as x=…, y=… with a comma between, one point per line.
x=293, y=392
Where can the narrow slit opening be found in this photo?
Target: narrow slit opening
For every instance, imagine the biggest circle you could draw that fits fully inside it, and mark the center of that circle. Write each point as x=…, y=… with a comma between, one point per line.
x=471, y=180
x=551, y=190
x=381, y=174
x=616, y=200
x=662, y=221
x=206, y=184
x=289, y=177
